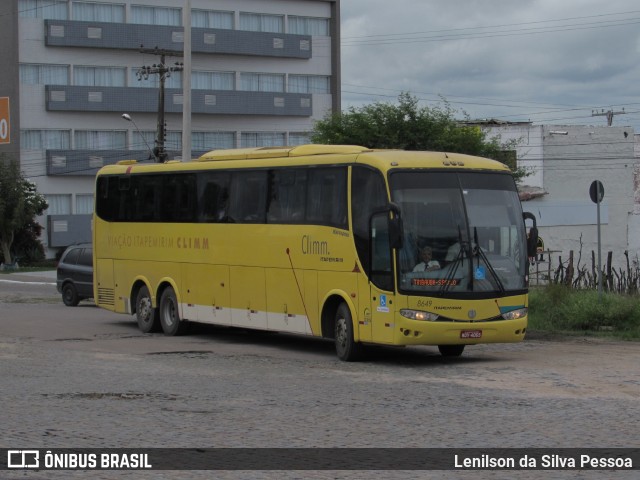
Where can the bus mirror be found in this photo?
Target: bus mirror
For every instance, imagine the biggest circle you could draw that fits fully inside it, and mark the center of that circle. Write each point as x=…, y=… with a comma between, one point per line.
x=532, y=235
x=532, y=242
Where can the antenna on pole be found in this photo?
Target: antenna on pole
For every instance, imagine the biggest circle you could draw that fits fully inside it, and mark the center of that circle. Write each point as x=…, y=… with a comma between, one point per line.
x=163, y=71
x=609, y=114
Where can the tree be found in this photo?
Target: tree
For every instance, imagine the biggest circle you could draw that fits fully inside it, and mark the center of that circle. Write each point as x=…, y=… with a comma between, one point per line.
x=407, y=126
x=20, y=203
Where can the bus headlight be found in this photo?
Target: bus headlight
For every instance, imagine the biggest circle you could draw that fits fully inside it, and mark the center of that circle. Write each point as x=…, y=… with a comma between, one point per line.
x=515, y=314
x=418, y=315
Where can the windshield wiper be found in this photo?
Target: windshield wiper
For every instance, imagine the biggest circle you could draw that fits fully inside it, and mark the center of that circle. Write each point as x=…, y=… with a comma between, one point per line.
x=481, y=255
x=453, y=266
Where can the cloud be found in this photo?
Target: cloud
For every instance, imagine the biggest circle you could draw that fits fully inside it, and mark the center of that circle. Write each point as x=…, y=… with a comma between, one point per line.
x=516, y=58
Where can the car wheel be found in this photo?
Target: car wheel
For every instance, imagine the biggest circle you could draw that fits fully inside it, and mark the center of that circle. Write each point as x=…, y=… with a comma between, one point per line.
x=147, y=316
x=170, y=314
x=70, y=295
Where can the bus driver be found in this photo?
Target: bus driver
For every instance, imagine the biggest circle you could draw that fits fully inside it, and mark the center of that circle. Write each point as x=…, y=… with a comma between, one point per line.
x=427, y=264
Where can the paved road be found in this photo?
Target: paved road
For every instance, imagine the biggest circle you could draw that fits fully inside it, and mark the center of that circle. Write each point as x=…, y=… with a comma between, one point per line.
x=84, y=377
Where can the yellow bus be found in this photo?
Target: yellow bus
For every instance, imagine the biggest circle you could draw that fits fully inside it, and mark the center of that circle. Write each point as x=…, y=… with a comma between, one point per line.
x=335, y=241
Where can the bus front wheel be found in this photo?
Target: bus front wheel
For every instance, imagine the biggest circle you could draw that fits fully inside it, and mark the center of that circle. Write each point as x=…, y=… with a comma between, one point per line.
x=146, y=315
x=451, y=350
x=169, y=313
x=346, y=347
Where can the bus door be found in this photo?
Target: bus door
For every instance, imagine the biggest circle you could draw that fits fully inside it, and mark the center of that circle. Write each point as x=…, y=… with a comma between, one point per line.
x=381, y=283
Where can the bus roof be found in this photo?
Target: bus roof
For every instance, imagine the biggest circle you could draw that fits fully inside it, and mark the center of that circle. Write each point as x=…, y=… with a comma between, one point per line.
x=275, y=152
x=264, y=157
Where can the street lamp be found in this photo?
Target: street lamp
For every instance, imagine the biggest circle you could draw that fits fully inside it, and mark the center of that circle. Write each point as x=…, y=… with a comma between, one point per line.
x=128, y=118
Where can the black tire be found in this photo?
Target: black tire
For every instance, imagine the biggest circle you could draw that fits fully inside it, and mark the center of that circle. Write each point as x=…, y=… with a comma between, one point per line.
x=451, y=350
x=147, y=316
x=170, y=314
x=70, y=295
x=347, y=348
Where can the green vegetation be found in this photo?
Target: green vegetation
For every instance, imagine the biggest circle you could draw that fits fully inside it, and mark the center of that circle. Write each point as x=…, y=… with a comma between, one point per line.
x=20, y=203
x=408, y=126
x=557, y=308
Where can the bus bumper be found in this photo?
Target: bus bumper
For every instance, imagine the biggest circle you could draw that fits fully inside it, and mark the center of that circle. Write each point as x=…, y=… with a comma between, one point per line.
x=412, y=332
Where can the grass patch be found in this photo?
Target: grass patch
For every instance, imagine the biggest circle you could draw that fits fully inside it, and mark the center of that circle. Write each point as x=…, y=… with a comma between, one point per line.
x=43, y=266
x=558, y=309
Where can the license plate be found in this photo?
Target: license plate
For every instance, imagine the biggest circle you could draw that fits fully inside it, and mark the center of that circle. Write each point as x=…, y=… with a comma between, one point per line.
x=471, y=334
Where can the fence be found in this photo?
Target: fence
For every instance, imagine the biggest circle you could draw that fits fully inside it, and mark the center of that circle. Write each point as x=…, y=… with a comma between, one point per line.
x=572, y=273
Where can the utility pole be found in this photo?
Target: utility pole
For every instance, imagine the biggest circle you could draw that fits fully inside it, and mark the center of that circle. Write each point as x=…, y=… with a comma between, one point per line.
x=163, y=71
x=186, y=84
x=609, y=114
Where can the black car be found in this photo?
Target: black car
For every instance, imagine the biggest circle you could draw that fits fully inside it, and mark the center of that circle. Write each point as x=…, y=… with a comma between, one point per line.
x=75, y=274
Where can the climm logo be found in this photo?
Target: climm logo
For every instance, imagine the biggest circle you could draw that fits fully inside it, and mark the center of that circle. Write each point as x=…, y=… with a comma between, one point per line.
x=160, y=241
x=195, y=243
x=310, y=246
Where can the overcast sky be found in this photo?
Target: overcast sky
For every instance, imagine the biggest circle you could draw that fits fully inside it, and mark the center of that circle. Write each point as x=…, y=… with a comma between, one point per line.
x=548, y=61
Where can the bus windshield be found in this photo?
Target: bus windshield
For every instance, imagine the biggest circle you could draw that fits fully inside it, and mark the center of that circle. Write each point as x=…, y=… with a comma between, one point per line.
x=463, y=233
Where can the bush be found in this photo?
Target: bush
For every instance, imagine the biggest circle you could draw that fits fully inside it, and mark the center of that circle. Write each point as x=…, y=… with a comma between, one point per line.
x=27, y=248
x=557, y=308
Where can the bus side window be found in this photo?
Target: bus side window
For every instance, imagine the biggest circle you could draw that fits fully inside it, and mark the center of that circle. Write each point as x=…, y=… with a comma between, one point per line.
x=287, y=192
x=213, y=197
x=147, y=190
x=248, y=199
x=327, y=197
x=178, y=201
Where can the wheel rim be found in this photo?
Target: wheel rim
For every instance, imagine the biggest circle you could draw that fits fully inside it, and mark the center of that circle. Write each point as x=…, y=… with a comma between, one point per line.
x=68, y=294
x=169, y=312
x=144, y=309
x=341, y=332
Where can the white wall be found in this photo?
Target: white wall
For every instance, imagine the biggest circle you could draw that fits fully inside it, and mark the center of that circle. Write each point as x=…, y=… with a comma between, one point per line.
x=566, y=160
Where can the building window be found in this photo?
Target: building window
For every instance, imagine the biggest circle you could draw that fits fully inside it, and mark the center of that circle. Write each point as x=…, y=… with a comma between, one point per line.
x=205, y=141
x=48, y=9
x=262, y=139
x=308, y=25
x=39, y=74
x=299, y=138
x=98, y=12
x=100, y=76
x=101, y=139
x=260, y=22
x=153, y=81
x=211, y=19
x=213, y=80
x=45, y=139
x=173, y=141
x=84, y=204
x=59, y=204
x=308, y=84
x=143, y=140
x=261, y=82
x=156, y=15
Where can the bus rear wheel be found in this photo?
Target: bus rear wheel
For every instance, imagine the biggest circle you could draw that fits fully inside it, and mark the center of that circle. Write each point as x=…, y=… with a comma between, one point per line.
x=451, y=350
x=147, y=316
x=170, y=314
x=347, y=348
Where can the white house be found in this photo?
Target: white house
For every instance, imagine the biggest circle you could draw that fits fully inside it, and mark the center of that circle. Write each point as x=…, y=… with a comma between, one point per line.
x=563, y=161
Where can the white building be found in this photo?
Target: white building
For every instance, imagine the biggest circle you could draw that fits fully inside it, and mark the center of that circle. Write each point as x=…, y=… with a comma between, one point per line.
x=564, y=160
x=262, y=73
